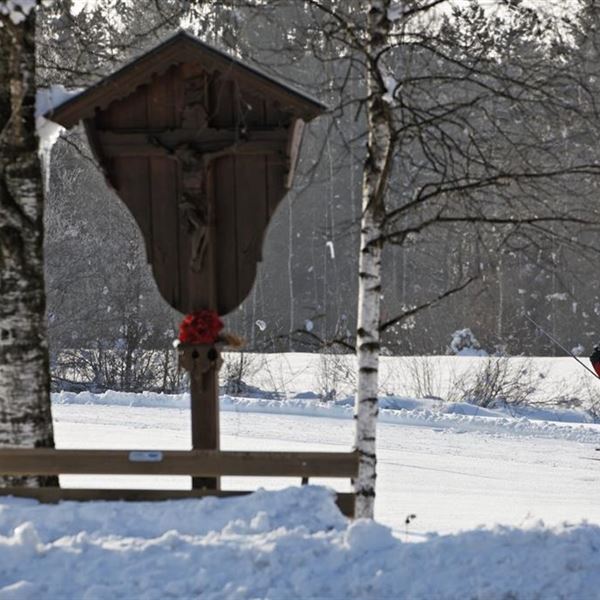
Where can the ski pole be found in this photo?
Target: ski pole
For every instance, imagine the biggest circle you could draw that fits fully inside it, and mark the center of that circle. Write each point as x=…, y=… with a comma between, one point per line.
x=561, y=346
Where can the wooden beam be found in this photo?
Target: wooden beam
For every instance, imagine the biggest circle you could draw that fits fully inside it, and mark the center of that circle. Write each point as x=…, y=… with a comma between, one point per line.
x=172, y=138
x=345, y=501
x=206, y=151
x=293, y=150
x=43, y=461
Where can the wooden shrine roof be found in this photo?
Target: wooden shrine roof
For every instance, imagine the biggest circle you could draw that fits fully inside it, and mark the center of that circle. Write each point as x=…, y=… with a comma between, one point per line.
x=180, y=48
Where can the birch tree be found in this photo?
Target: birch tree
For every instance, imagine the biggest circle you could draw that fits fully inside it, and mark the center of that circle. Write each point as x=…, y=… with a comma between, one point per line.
x=25, y=418
x=375, y=176
x=461, y=135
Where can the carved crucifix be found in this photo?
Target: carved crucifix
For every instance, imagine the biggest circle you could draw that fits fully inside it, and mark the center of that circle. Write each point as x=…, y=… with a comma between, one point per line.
x=201, y=148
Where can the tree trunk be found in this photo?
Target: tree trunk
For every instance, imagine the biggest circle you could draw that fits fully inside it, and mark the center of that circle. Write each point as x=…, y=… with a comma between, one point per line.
x=25, y=417
x=375, y=174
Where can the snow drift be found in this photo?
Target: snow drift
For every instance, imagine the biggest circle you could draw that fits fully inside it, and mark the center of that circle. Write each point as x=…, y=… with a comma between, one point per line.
x=286, y=544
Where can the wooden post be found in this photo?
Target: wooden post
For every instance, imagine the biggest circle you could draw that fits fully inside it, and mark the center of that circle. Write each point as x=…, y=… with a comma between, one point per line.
x=205, y=419
x=203, y=363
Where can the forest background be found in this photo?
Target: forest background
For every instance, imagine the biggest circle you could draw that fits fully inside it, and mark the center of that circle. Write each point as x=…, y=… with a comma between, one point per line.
x=108, y=326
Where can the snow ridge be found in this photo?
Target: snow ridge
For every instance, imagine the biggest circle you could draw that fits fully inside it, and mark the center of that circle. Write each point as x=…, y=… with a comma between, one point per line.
x=567, y=425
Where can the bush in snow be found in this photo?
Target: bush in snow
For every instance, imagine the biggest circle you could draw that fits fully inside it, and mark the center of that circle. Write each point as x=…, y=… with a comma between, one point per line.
x=498, y=381
x=424, y=377
x=335, y=375
x=237, y=368
x=464, y=343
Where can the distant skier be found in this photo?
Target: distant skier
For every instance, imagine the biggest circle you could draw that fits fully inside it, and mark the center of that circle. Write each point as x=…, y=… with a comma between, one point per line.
x=595, y=359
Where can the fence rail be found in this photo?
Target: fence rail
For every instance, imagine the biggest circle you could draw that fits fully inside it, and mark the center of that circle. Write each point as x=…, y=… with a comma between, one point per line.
x=205, y=463
x=39, y=461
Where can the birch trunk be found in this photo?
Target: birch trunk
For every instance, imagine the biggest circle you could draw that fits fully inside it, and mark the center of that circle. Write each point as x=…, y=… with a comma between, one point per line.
x=369, y=286
x=25, y=418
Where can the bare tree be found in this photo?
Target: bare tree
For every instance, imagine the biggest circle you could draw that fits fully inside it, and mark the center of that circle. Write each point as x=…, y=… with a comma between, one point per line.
x=464, y=133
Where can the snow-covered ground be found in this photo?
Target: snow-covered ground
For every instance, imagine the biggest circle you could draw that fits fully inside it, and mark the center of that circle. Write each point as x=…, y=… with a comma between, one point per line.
x=287, y=544
x=506, y=505
x=455, y=471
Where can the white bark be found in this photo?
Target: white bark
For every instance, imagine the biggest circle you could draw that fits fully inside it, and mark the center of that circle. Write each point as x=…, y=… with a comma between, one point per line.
x=369, y=291
x=25, y=418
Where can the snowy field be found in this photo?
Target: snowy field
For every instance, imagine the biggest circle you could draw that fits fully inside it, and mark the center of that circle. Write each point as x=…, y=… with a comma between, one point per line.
x=506, y=505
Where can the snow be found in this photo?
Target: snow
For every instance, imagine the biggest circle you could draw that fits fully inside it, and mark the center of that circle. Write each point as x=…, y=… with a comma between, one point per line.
x=395, y=11
x=502, y=503
x=17, y=10
x=454, y=471
x=521, y=421
x=287, y=544
x=464, y=343
x=48, y=131
x=329, y=245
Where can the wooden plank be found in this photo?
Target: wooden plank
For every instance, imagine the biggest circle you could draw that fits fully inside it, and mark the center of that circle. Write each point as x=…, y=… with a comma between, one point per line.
x=224, y=185
x=132, y=178
x=43, y=461
x=165, y=228
x=222, y=110
x=250, y=219
x=174, y=137
x=293, y=150
x=160, y=105
x=346, y=502
x=210, y=150
x=276, y=175
x=53, y=495
x=163, y=190
x=116, y=86
x=252, y=109
x=129, y=112
x=205, y=419
x=56, y=494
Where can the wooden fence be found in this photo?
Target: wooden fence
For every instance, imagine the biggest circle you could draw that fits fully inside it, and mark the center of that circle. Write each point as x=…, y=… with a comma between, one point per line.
x=205, y=463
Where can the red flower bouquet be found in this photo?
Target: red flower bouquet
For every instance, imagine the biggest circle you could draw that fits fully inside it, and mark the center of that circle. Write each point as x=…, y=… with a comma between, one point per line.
x=200, y=327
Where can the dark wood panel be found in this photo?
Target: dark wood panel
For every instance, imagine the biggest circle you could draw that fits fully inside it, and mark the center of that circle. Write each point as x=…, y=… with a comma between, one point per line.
x=253, y=111
x=160, y=105
x=132, y=177
x=204, y=140
x=188, y=281
x=274, y=115
x=195, y=97
x=226, y=242
x=127, y=113
x=222, y=102
x=344, y=501
x=276, y=176
x=250, y=218
x=205, y=421
x=44, y=461
x=165, y=228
